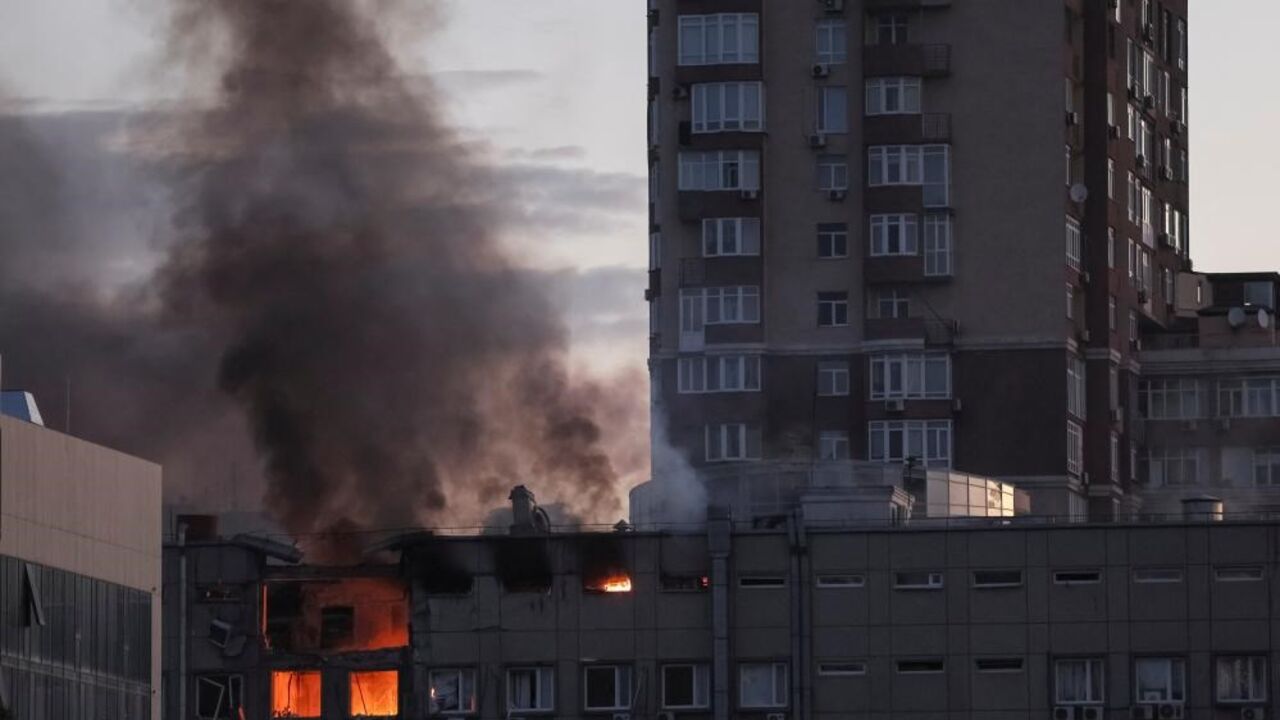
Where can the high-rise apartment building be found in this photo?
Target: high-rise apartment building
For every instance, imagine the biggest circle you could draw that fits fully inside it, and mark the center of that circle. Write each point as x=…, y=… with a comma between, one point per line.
x=915, y=230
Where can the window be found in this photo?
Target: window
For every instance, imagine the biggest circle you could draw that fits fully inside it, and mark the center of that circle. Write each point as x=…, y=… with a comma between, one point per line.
x=762, y=685
x=833, y=445
x=1111, y=248
x=531, y=689
x=833, y=110
x=833, y=379
x=831, y=42
x=1247, y=573
x=732, y=441
x=937, y=245
x=720, y=170
x=893, y=235
x=719, y=306
x=655, y=251
x=997, y=578
x=926, y=165
x=833, y=172
x=841, y=581
x=1160, y=680
x=607, y=687
x=1249, y=397
x=686, y=687
x=1169, y=399
x=727, y=38
x=1115, y=456
x=890, y=30
x=219, y=697
x=998, y=665
x=762, y=581
x=911, y=376
x=1074, y=244
x=841, y=669
x=893, y=96
x=928, y=442
x=683, y=583
x=719, y=373
x=891, y=304
x=1259, y=293
x=295, y=693
x=1241, y=679
x=1078, y=682
x=1157, y=575
x=833, y=309
x=1075, y=448
x=1076, y=382
x=1181, y=44
x=1266, y=466
x=453, y=691
x=730, y=236
x=1111, y=179
x=1174, y=466
x=833, y=240
x=375, y=694
x=1111, y=313
x=1133, y=326
x=921, y=667
x=728, y=107
x=1077, y=577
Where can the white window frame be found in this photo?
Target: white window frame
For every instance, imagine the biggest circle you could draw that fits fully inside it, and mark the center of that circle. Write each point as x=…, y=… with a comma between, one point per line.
x=1075, y=448
x=919, y=580
x=1255, y=677
x=838, y=302
x=832, y=172
x=779, y=679
x=1173, y=689
x=709, y=374
x=895, y=234
x=928, y=166
x=905, y=376
x=893, y=96
x=544, y=682
x=833, y=378
x=1266, y=466
x=1189, y=463
x=833, y=237
x=937, y=245
x=742, y=29
x=831, y=39
x=622, y=687
x=1077, y=386
x=719, y=170
x=1095, y=675
x=927, y=433
x=730, y=236
x=732, y=442
x=834, y=445
x=728, y=107
x=833, y=110
x=466, y=679
x=700, y=676
x=1157, y=396
x=896, y=300
x=232, y=690
x=1075, y=243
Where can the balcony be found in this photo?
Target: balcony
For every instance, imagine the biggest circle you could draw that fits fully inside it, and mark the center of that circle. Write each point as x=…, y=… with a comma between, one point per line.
x=898, y=270
x=693, y=205
x=907, y=129
x=933, y=331
x=907, y=60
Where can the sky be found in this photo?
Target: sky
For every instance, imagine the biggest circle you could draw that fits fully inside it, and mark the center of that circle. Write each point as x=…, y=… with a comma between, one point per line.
x=554, y=90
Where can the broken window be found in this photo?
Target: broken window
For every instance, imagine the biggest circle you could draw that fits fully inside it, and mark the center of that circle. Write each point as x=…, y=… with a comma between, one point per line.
x=31, y=596
x=375, y=694
x=219, y=697
x=295, y=694
x=219, y=632
x=453, y=691
x=530, y=689
x=523, y=565
x=337, y=626
x=608, y=687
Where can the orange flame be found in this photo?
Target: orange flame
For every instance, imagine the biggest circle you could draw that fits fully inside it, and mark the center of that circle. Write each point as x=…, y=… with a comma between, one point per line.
x=295, y=693
x=616, y=584
x=375, y=694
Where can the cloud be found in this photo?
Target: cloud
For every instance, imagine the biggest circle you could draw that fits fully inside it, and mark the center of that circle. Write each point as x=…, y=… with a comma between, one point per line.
x=549, y=198
x=484, y=80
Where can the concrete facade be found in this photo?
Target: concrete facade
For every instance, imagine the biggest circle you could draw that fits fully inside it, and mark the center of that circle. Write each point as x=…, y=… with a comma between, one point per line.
x=1016, y=96
x=80, y=539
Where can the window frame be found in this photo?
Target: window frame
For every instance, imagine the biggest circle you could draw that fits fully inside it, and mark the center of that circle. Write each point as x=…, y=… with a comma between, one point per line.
x=700, y=678
x=885, y=428
x=907, y=90
x=1259, y=680
x=1175, y=674
x=834, y=370
x=461, y=673
x=746, y=232
x=545, y=680
x=780, y=697
x=623, y=687
x=746, y=34
x=1095, y=669
x=710, y=105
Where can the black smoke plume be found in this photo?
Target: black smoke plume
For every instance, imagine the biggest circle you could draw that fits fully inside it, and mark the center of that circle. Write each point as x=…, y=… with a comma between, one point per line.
x=336, y=273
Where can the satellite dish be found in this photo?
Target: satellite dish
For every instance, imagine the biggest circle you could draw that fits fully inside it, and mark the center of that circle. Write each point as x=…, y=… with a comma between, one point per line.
x=1236, y=317
x=1264, y=319
x=1079, y=193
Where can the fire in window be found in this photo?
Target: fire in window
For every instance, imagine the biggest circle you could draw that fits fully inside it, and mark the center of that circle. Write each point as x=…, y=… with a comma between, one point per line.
x=219, y=697
x=375, y=694
x=295, y=694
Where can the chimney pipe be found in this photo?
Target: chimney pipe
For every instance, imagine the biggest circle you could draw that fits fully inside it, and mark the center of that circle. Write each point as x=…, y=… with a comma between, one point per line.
x=526, y=517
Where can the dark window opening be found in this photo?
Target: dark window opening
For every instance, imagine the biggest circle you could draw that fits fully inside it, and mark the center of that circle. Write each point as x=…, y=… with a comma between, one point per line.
x=219, y=697
x=523, y=565
x=337, y=626
x=683, y=583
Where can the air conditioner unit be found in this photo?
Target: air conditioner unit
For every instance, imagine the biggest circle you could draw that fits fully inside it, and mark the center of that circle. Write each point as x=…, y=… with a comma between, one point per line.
x=1142, y=296
x=1149, y=102
x=833, y=5
x=1163, y=238
x=895, y=406
x=1090, y=713
x=817, y=141
x=957, y=405
x=776, y=716
x=1066, y=712
x=1166, y=172
x=666, y=716
x=749, y=194
x=821, y=71
x=1140, y=161
x=1171, y=711
x=837, y=195
x=1073, y=118
x=622, y=716
x=1149, y=32
x=680, y=92
x=1133, y=92
x=1144, y=712
x=1253, y=713
x=1113, y=131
